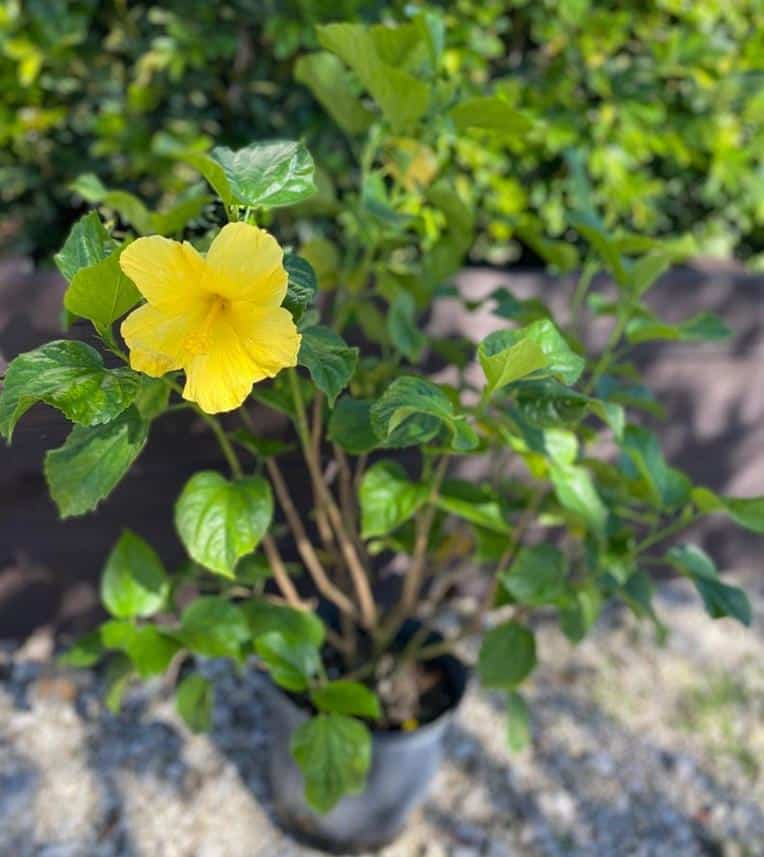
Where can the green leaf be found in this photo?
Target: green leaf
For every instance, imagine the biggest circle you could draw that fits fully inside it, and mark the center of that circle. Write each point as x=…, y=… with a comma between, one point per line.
x=150, y=651
x=705, y=327
x=580, y=611
x=402, y=327
x=213, y=627
x=264, y=617
x=411, y=411
x=211, y=170
x=334, y=754
x=134, y=582
x=507, y=656
x=593, y=231
x=220, y=521
x=748, y=512
x=93, y=460
x=188, y=206
x=85, y=652
x=118, y=675
x=301, y=284
x=292, y=663
x=719, y=598
x=537, y=576
x=329, y=359
x=475, y=503
x=402, y=98
x=576, y=492
x=350, y=426
x=101, y=293
x=87, y=244
x=648, y=269
x=152, y=397
x=667, y=487
x=538, y=349
x=388, y=498
x=267, y=175
x=346, y=697
x=489, y=113
x=328, y=80
x=127, y=205
x=67, y=375
x=518, y=722
x=194, y=699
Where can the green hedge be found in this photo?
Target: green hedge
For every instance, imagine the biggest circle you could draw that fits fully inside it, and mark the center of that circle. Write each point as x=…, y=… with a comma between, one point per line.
x=659, y=104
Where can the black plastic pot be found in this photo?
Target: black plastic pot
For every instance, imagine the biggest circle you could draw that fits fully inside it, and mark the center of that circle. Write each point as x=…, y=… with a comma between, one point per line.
x=402, y=769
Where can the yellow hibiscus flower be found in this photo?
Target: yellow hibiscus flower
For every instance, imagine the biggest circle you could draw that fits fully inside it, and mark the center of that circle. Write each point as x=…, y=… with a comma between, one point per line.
x=218, y=317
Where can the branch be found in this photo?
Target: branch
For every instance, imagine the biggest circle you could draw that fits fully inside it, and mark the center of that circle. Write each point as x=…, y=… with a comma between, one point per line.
x=304, y=545
x=280, y=574
x=349, y=553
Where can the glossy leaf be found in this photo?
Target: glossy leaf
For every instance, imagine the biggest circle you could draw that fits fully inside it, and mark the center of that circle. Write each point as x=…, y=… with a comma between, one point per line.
x=87, y=244
x=538, y=349
x=70, y=376
x=301, y=284
x=92, y=462
x=267, y=175
x=329, y=359
x=134, y=582
x=220, y=521
x=101, y=293
x=388, y=498
x=412, y=410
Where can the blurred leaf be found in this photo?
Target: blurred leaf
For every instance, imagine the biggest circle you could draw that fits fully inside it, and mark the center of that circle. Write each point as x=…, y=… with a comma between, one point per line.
x=133, y=582
x=194, y=699
x=334, y=754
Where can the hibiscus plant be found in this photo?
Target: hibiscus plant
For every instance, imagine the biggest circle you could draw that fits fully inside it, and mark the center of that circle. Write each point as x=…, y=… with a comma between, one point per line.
x=388, y=420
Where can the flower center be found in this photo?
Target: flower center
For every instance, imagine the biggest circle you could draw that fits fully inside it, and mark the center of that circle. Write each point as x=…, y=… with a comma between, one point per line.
x=200, y=340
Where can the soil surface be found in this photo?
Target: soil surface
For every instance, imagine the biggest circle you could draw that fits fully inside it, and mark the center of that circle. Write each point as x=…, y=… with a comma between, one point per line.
x=637, y=752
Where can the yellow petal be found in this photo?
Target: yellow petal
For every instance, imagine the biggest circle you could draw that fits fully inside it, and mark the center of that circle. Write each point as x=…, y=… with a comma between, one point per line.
x=157, y=340
x=220, y=379
x=246, y=263
x=268, y=335
x=167, y=273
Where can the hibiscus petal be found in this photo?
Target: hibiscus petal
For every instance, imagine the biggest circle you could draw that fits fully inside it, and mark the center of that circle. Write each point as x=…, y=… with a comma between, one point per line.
x=221, y=379
x=167, y=273
x=157, y=340
x=246, y=263
x=268, y=335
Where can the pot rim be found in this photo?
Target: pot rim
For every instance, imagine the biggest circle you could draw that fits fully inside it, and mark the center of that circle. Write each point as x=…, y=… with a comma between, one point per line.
x=388, y=736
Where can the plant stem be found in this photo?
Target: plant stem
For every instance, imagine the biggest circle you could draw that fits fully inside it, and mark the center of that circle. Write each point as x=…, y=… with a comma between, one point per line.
x=349, y=553
x=684, y=520
x=280, y=574
x=225, y=444
x=412, y=582
x=304, y=545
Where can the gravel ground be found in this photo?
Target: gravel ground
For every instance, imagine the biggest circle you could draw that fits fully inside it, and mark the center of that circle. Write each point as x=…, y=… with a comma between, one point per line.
x=637, y=751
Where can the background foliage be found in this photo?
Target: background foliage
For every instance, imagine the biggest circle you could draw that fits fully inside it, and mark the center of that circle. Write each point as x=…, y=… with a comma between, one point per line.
x=660, y=103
